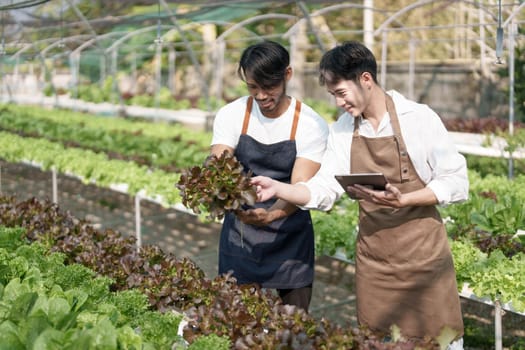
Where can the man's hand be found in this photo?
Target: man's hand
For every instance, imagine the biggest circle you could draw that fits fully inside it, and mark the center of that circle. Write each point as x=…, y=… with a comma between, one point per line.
x=266, y=187
x=390, y=197
x=256, y=217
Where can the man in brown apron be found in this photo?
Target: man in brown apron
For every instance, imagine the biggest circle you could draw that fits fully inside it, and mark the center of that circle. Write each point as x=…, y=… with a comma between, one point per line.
x=404, y=269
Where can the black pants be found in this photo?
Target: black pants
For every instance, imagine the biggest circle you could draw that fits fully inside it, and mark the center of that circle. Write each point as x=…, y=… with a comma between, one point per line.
x=300, y=297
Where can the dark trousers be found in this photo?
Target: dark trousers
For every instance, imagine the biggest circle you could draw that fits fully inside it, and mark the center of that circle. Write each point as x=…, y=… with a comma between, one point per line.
x=299, y=297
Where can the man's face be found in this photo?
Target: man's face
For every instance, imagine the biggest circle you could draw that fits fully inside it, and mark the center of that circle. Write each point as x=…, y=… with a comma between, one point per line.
x=348, y=96
x=271, y=100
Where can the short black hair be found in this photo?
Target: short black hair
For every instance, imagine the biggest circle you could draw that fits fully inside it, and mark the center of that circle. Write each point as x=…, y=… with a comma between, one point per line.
x=266, y=62
x=347, y=62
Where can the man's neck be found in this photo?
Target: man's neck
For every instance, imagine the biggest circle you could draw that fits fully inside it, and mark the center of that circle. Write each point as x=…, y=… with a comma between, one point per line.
x=376, y=109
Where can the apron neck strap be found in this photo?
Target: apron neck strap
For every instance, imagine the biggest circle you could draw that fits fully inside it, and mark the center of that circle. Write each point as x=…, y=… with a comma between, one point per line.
x=403, y=153
x=247, y=113
x=394, y=121
x=295, y=119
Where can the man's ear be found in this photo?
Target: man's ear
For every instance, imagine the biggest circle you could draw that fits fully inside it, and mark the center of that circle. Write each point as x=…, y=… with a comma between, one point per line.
x=288, y=73
x=366, y=80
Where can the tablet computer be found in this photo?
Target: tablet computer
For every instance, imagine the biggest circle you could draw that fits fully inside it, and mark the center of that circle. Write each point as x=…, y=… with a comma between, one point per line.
x=375, y=181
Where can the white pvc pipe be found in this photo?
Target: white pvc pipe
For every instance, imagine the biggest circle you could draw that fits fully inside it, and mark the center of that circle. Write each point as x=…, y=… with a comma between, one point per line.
x=54, y=184
x=497, y=324
x=138, y=233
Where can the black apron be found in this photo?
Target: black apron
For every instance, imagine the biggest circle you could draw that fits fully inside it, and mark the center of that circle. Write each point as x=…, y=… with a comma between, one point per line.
x=280, y=255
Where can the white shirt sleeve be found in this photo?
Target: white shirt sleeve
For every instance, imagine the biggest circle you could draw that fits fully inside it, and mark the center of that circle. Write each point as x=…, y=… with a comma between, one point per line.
x=432, y=152
x=448, y=168
x=312, y=133
x=227, y=125
x=324, y=188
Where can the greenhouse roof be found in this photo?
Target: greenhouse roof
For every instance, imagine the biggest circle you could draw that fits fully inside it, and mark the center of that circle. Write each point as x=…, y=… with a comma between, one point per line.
x=19, y=4
x=30, y=27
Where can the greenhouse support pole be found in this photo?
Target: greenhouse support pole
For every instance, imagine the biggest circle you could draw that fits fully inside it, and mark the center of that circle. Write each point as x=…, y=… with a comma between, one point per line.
x=411, y=67
x=191, y=53
x=498, y=312
x=311, y=25
x=511, y=93
x=158, y=73
x=219, y=47
x=74, y=63
x=54, y=184
x=138, y=233
x=172, y=56
x=16, y=77
x=368, y=23
x=482, y=48
x=384, y=45
x=114, y=83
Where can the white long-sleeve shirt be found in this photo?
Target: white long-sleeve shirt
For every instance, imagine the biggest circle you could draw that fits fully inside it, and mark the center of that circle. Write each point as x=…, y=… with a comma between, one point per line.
x=436, y=160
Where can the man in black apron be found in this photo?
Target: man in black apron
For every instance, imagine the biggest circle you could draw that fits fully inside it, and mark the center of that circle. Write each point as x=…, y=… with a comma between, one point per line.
x=270, y=244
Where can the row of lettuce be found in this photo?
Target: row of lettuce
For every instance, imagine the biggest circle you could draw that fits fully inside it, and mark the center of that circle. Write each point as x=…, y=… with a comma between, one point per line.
x=66, y=285
x=104, y=151
x=47, y=303
x=146, y=157
x=100, y=93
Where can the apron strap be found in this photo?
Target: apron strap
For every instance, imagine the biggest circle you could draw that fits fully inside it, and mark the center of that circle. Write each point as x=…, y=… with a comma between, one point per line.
x=356, y=127
x=394, y=121
x=403, y=153
x=247, y=113
x=295, y=119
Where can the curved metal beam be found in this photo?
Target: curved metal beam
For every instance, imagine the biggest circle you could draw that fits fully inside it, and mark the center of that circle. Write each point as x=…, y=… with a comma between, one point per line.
x=512, y=15
x=61, y=40
x=254, y=19
x=308, y=18
x=25, y=48
x=82, y=18
x=93, y=40
x=22, y=4
x=133, y=33
x=417, y=4
x=54, y=41
x=327, y=9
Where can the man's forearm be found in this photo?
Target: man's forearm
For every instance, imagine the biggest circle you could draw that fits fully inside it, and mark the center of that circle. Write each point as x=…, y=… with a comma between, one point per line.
x=297, y=194
x=281, y=209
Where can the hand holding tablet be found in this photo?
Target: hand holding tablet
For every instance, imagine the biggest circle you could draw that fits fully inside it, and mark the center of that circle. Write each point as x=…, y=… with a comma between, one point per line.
x=375, y=181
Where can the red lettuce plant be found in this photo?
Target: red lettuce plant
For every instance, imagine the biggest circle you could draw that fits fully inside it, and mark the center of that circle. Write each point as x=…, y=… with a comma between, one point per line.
x=221, y=184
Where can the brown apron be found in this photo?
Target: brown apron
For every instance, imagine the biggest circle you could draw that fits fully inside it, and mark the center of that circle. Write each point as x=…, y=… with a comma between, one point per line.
x=404, y=269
